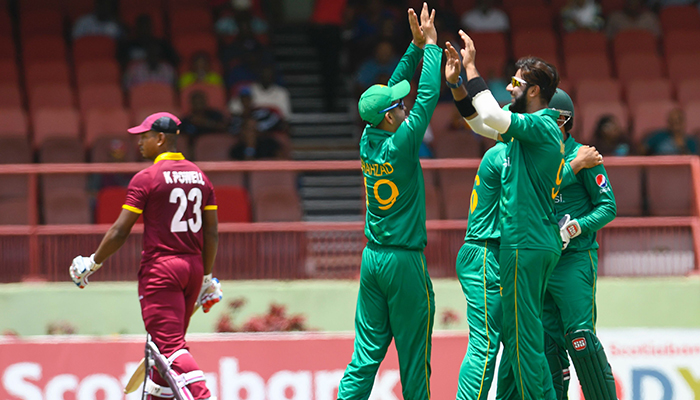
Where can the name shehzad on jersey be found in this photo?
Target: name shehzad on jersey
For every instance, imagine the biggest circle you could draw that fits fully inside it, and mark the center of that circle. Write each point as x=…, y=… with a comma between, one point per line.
x=184, y=177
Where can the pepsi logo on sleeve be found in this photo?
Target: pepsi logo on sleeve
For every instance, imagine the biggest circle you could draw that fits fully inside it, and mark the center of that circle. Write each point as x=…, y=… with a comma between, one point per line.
x=602, y=182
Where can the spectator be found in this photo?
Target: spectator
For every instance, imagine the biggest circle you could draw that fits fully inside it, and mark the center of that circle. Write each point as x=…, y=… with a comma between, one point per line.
x=266, y=93
x=375, y=70
x=253, y=145
x=227, y=24
x=326, y=36
x=582, y=14
x=152, y=69
x=202, y=118
x=242, y=48
x=610, y=139
x=102, y=22
x=485, y=18
x=672, y=140
x=201, y=72
x=633, y=16
x=267, y=120
x=136, y=47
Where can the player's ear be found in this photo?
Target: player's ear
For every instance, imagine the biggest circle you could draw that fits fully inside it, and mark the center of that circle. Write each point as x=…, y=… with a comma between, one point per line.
x=533, y=91
x=161, y=138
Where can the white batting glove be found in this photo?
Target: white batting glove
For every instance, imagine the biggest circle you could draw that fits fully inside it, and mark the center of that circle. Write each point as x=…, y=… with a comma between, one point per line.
x=568, y=229
x=210, y=293
x=81, y=268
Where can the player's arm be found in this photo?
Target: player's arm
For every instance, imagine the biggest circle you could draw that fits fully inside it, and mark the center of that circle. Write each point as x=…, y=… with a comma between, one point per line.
x=210, y=293
x=463, y=101
x=411, y=132
x=409, y=61
x=211, y=239
x=586, y=157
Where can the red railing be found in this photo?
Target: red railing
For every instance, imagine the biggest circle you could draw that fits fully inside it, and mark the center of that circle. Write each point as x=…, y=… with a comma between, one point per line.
x=294, y=250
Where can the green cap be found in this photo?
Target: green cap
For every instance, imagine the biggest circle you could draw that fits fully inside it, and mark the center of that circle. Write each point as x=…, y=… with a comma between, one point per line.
x=379, y=97
x=562, y=102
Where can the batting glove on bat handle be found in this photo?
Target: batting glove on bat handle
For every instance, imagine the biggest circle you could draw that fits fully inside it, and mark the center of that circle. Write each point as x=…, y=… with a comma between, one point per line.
x=210, y=293
x=82, y=268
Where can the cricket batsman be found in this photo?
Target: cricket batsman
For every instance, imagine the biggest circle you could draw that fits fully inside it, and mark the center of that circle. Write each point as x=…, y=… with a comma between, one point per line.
x=530, y=241
x=395, y=298
x=180, y=241
x=584, y=205
x=477, y=261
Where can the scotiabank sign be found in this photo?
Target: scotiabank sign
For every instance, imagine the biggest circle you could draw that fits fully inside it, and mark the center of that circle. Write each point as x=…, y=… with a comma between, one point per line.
x=648, y=365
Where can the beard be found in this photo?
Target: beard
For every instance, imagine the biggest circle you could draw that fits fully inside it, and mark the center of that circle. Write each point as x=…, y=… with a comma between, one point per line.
x=519, y=104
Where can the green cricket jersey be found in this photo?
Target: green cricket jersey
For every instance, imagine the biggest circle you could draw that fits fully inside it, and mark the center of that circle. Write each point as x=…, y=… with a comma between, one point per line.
x=587, y=197
x=531, y=180
x=484, y=201
x=394, y=185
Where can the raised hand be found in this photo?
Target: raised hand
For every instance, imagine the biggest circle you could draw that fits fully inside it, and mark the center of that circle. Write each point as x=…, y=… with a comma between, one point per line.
x=452, y=66
x=427, y=24
x=588, y=157
x=416, y=31
x=468, y=51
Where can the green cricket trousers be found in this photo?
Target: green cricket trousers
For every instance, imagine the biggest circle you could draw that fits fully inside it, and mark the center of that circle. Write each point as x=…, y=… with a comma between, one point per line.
x=477, y=270
x=523, y=372
x=395, y=300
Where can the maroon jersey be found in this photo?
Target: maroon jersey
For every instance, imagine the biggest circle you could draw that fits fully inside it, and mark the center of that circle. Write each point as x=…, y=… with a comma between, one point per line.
x=171, y=194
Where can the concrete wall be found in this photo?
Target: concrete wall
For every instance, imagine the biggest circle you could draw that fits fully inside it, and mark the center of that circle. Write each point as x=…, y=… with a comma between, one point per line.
x=112, y=308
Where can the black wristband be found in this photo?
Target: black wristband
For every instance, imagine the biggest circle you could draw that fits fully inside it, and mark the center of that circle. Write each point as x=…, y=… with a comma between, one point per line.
x=476, y=86
x=465, y=107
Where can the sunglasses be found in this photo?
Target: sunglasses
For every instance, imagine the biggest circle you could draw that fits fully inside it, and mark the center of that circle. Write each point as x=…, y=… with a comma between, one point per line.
x=517, y=82
x=399, y=104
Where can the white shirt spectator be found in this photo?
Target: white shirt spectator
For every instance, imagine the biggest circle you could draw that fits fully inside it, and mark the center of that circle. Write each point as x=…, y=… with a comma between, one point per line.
x=489, y=20
x=274, y=96
x=89, y=25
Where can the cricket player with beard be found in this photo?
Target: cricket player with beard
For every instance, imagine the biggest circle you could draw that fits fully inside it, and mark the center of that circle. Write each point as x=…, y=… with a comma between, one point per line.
x=180, y=241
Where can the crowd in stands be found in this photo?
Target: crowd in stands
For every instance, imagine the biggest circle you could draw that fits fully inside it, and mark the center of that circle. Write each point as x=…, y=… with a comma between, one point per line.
x=629, y=65
x=75, y=74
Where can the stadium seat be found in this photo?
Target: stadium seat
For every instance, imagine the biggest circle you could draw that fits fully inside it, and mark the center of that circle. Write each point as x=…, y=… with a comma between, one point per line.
x=678, y=18
x=49, y=72
x=14, y=150
x=669, y=190
x=13, y=120
x=639, y=66
x=103, y=96
x=55, y=122
x=432, y=203
x=109, y=203
x=592, y=90
x=492, y=43
x=66, y=207
x=588, y=66
x=50, y=95
x=13, y=211
x=593, y=111
x=635, y=41
x=612, y=5
x=41, y=22
x=62, y=150
x=681, y=42
x=692, y=116
x=104, y=146
x=540, y=43
x=77, y=8
x=458, y=145
x=152, y=95
x=187, y=20
x=97, y=72
x=444, y=117
x=639, y=91
x=276, y=204
x=93, y=48
x=567, y=86
x=234, y=204
x=490, y=65
x=192, y=43
x=43, y=48
x=650, y=116
x=105, y=122
x=688, y=90
x=585, y=42
x=456, y=186
x=216, y=97
x=5, y=22
x=260, y=181
x=530, y=17
x=129, y=16
x=683, y=66
x=8, y=71
x=214, y=147
x=626, y=183
x=7, y=49
x=10, y=96
x=14, y=188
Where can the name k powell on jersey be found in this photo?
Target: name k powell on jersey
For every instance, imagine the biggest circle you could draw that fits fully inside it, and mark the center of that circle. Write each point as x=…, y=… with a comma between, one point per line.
x=184, y=177
x=602, y=183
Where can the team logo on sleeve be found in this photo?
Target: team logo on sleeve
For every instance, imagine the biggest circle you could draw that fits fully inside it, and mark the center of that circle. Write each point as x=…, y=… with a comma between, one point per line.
x=601, y=181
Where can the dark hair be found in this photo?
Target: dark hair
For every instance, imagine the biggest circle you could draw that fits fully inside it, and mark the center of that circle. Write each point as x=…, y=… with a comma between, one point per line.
x=537, y=71
x=597, y=132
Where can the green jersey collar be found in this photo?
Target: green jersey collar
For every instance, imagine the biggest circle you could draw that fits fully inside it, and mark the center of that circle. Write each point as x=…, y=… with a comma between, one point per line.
x=549, y=112
x=377, y=132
